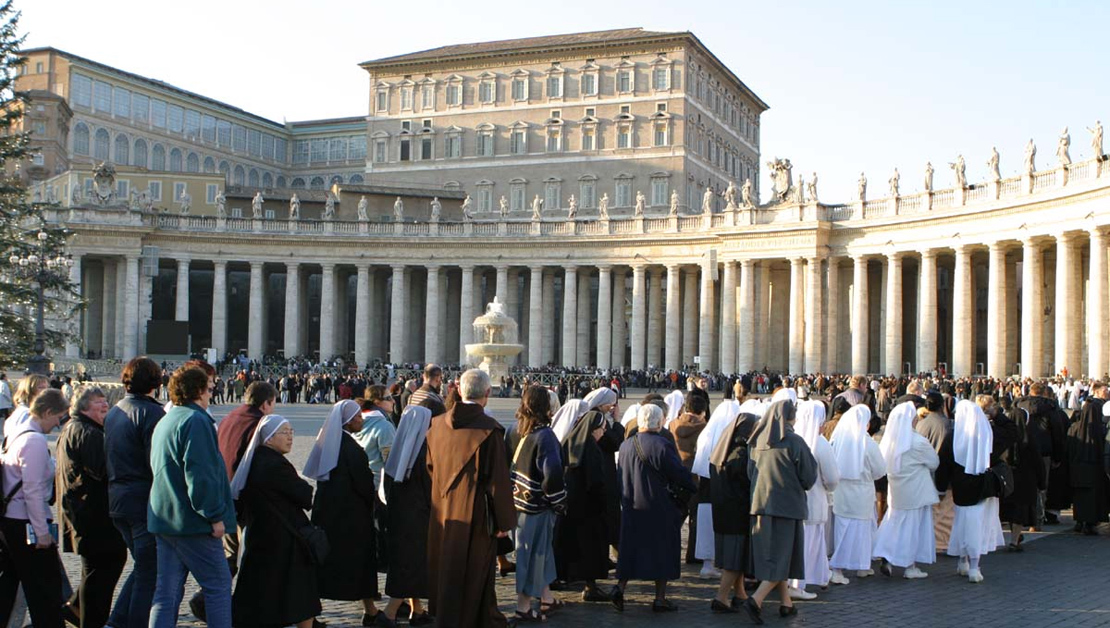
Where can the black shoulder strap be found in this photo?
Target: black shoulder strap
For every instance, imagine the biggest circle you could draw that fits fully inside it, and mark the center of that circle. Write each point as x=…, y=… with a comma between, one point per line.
x=18, y=485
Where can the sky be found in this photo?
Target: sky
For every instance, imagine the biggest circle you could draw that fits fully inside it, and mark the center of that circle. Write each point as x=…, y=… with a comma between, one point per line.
x=853, y=86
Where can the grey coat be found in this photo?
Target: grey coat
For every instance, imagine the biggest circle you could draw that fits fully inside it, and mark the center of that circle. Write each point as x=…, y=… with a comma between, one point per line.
x=780, y=466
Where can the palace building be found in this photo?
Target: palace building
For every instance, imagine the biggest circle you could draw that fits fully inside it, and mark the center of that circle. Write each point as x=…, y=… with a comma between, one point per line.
x=381, y=236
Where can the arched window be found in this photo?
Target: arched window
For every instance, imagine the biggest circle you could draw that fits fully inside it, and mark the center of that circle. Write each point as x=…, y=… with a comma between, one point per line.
x=336, y=179
x=100, y=145
x=224, y=168
x=356, y=178
x=209, y=165
x=175, y=160
x=240, y=176
x=267, y=180
x=81, y=139
x=280, y=182
x=317, y=183
x=192, y=163
x=252, y=178
x=158, y=158
x=297, y=184
x=123, y=149
x=138, y=157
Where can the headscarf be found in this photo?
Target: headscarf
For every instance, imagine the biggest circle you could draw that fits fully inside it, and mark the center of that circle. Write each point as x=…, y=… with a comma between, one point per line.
x=785, y=394
x=553, y=399
x=898, y=435
x=721, y=418
x=674, y=401
x=735, y=435
x=564, y=420
x=578, y=441
x=808, y=421
x=754, y=406
x=849, y=441
x=263, y=432
x=630, y=414
x=774, y=425
x=1087, y=435
x=972, y=438
x=411, y=430
x=600, y=397
x=325, y=451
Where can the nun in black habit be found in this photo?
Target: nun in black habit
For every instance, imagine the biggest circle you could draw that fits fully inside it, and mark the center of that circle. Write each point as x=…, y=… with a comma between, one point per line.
x=1086, y=440
x=1019, y=508
x=730, y=493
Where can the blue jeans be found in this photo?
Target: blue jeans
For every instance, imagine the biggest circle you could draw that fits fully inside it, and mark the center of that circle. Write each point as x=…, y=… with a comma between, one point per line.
x=132, y=609
x=203, y=556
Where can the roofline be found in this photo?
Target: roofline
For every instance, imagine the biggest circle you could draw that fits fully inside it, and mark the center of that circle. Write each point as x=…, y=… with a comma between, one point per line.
x=387, y=63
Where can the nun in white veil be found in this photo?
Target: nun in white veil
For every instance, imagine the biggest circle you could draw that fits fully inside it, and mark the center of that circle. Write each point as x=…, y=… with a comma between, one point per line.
x=674, y=400
x=564, y=420
x=860, y=463
x=905, y=537
x=975, y=529
x=723, y=416
x=807, y=424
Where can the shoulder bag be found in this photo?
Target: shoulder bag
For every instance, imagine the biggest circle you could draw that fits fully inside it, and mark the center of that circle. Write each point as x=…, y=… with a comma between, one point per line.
x=678, y=494
x=313, y=538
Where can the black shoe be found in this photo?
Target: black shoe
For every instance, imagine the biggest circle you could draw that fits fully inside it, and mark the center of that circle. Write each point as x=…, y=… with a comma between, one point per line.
x=737, y=603
x=404, y=610
x=507, y=570
x=788, y=611
x=423, y=619
x=196, y=607
x=1051, y=518
x=379, y=620
x=70, y=615
x=753, y=611
x=616, y=598
x=594, y=595
x=885, y=568
x=559, y=585
x=316, y=623
x=663, y=606
x=717, y=607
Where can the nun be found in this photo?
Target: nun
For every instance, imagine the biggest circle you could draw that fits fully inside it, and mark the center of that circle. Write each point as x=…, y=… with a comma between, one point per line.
x=701, y=521
x=1089, y=483
x=811, y=414
x=277, y=579
x=781, y=470
x=906, y=537
x=675, y=400
x=601, y=405
x=860, y=463
x=730, y=494
x=407, y=491
x=344, y=508
x=976, y=529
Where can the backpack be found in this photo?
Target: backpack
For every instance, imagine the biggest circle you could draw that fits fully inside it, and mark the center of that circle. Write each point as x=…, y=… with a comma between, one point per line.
x=7, y=497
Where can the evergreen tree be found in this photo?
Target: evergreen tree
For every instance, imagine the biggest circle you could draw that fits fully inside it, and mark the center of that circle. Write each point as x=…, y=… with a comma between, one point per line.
x=21, y=222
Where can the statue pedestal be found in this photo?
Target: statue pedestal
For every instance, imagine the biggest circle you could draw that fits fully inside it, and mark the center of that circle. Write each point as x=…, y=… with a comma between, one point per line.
x=502, y=228
x=893, y=205
x=433, y=228
x=857, y=210
x=707, y=221
x=329, y=227
x=256, y=224
x=1062, y=179
x=536, y=228
x=996, y=189
x=638, y=225
x=605, y=226
x=468, y=228
x=221, y=223
x=291, y=225
x=672, y=224
x=1027, y=183
x=960, y=197
x=363, y=228
x=398, y=228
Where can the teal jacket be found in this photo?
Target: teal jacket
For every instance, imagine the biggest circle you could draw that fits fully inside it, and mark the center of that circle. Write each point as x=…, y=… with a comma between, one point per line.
x=190, y=490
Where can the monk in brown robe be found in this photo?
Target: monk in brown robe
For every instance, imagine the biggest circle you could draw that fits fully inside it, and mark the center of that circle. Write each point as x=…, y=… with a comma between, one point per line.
x=472, y=505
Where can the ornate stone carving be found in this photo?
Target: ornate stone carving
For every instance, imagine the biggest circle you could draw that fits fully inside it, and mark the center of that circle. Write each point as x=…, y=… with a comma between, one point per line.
x=707, y=200
x=746, y=194
x=894, y=182
x=329, y=207
x=186, y=203
x=959, y=167
x=363, y=207
x=638, y=211
x=256, y=206
x=467, y=209
x=1030, y=162
x=295, y=207
x=537, y=207
x=503, y=206
x=861, y=187
x=437, y=208
x=928, y=176
x=730, y=196
x=603, y=207
x=781, y=177
x=1063, y=145
x=992, y=165
x=673, y=209
x=221, y=204
x=1096, y=140
x=104, y=183
x=572, y=208
x=811, y=187
x=398, y=210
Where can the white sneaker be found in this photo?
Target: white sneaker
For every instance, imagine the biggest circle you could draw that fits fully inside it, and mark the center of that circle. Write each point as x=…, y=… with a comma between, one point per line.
x=800, y=594
x=974, y=576
x=962, y=567
x=864, y=573
x=708, y=572
x=913, y=573
x=837, y=577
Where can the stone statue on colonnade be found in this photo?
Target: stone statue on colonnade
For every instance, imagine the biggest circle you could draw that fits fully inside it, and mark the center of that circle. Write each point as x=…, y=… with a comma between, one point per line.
x=603, y=206
x=894, y=182
x=707, y=199
x=1062, y=148
x=437, y=207
x=800, y=191
x=1030, y=164
x=960, y=168
x=673, y=210
x=295, y=207
x=221, y=204
x=640, y=202
x=861, y=187
x=75, y=198
x=730, y=196
x=781, y=177
x=363, y=206
x=185, y=202
x=467, y=209
x=329, y=207
x=929, y=177
x=133, y=200
x=811, y=187
x=992, y=165
x=746, y=194
x=537, y=207
x=572, y=208
x=398, y=210
x=1096, y=140
x=503, y=206
x=256, y=206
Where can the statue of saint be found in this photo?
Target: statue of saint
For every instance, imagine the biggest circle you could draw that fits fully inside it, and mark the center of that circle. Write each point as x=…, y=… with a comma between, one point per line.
x=133, y=201
x=1096, y=140
x=537, y=207
x=746, y=194
x=398, y=210
x=436, y=208
x=256, y=206
x=861, y=187
x=603, y=207
x=186, y=203
x=295, y=207
x=800, y=191
x=928, y=176
x=707, y=200
x=1062, y=147
x=730, y=196
x=363, y=206
x=673, y=210
x=503, y=206
x=146, y=200
x=894, y=181
x=221, y=204
x=329, y=207
x=811, y=187
x=467, y=208
x=572, y=208
x=1030, y=165
x=75, y=197
x=992, y=165
x=640, y=203
x=960, y=168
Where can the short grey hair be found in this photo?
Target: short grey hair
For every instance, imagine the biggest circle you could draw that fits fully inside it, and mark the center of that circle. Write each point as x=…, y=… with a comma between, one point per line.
x=83, y=397
x=649, y=418
x=916, y=388
x=474, y=385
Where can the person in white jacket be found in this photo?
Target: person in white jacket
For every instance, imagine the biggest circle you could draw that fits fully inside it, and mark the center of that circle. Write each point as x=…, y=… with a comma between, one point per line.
x=807, y=424
x=860, y=463
x=905, y=538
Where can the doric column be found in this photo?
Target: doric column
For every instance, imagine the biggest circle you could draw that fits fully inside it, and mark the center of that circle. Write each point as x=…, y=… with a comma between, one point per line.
x=73, y=344
x=108, y=327
x=996, y=312
x=618, y=318
x=570, y=315
x=146, y=307
x=582, y=346
x=254, y=321
x=433, y=345
x=860, y=318
x=604, y=316
x=815, y=358
x=705, y=319
x=745, y=326
x=362, y=316
x=292, y=339
x=963, y=350
x=690, y=316
x=535, y=317
x=832, y=317
x=219, y=306
x=927, y=312
x=1096, y=307
x=397, y=314
x=121, y=309
x=655, y=317
x=549, y=352
x=1032, y=304
x=728, y=319
x=639, y=318
x=1067, y=306
x=892, y=357
x=181, y=309
x=672, y=358
x=503, y=283
x=466, y=311
x=795, y=335
x=327, y=311
x=760, y=321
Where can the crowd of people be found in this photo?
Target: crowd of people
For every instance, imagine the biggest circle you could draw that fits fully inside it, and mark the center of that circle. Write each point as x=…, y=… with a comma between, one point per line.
x=786, y=486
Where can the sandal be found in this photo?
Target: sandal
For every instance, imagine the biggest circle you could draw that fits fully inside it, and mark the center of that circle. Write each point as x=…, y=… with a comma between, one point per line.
x=531, y=616
x=547, y=607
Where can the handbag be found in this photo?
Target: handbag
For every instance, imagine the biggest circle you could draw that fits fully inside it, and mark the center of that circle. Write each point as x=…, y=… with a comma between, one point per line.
x=313, y=538
x=1004, y=479
x=678, y=494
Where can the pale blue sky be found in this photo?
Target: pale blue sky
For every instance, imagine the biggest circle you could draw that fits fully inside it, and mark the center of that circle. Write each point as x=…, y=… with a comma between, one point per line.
x=853, y=86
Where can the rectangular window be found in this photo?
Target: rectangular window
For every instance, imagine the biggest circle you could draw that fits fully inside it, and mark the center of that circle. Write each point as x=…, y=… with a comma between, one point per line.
x=102, y=96
x=624, y=193
x=178, y=190
x=624, y=137
x=516, y=197
x=208, y=128
x=426, y=148
x=300, y=151
x=254, y=142
x=588, y=139
x=485, y=145
x=406, y=98
x=123, y=189
x=428, y=96
x=210, y=192
x=454, y=94
x=383, y=100
x=81, y=87
x=140, y=108
x=356, y=147
x=660, y=78
x=238, y=138
x=269, y=214
x=176, y=118
x=319, y=150
x=236, y=212
x=337, y=149
x=158, y=113
x=379, y=151
x=517, y=143
x=485, y=198
x=268, y=146
x=426, y=123
x=587, y=194
x=554, y=87
x=452, y=147
x=660, y=106
x=624, y=81
x=591, y=112
x=121, y=99
x=485, y=91
x=405, y=150
x=223, y=133
x=279, y=150
x=192, y=123
x=554, y=141
x=406, y=125
x=520, y=91
x=626, y=108
x=551, y=193
x=589, y=85
x=155, y=188
x=660, y=135
x=659, y=192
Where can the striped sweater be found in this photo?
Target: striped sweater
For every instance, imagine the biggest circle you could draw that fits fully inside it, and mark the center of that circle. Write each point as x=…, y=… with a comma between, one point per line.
x=537, y=473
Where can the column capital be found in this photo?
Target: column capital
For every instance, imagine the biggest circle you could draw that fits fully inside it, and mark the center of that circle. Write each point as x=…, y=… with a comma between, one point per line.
x=1064, y=237
x=797, y=261
x=604, y=268
x=998, y=246
x=895, y=256
x=747, y=263
x=256, y=264
x=398, y=267
x=327, y=266
x=433, y=267
x=570, y=268
x=1098, y=231
x=860, y=259
x=1032, y=242
x=962, y=248
x=181, y=261
x=467, y=267
x=815, y=259
x=502, y=268
x=928, y=253
x=293, y=266
x=638, y=268
x=218, y=263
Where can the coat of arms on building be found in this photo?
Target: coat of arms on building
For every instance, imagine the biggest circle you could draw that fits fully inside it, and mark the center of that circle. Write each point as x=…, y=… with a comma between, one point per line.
x=104, y=183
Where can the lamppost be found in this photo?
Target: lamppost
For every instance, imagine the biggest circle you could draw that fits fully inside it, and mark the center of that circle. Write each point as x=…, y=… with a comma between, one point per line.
x=40, y=267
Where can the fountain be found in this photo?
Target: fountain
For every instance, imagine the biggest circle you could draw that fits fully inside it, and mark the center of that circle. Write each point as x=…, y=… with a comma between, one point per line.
x=497, y=332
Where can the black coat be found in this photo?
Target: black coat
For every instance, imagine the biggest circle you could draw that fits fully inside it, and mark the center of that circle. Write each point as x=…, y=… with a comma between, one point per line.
x=410, y=505
x=1024, y=458
x=344, y=508
x=82, y=487
x=730, y=488
x=610, y=444
x=277, y=580
x=1089, y=483
x=581, y=543
x=967, y=489
x=127, y=431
